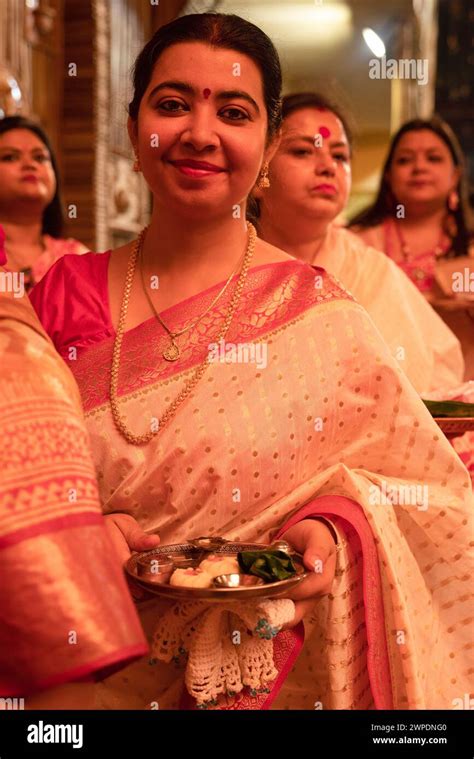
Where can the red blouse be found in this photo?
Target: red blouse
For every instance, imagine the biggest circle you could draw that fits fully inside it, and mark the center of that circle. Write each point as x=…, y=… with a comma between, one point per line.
x=72, y=301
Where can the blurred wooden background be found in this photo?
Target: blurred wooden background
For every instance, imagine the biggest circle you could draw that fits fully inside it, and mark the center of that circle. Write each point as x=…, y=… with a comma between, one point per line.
x=66, y=63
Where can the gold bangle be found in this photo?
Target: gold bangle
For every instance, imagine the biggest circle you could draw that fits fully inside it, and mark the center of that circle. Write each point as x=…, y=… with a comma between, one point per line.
x=339, y=544
x=330, y=527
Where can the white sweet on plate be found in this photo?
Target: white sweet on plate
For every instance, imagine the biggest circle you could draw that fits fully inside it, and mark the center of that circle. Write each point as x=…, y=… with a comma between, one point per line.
x=215, y=565
x=191, y=577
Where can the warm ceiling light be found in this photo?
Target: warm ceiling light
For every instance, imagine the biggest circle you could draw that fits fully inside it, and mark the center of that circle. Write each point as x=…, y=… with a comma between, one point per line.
x=296, y=23
x=373, y=42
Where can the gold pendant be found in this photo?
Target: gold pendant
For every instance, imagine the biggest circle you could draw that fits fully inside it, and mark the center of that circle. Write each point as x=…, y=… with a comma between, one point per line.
x=419, y=274
x=171, y=353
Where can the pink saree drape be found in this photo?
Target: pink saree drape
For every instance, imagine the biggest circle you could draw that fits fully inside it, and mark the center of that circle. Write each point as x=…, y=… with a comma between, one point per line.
x=65, y=611
x=321, y=410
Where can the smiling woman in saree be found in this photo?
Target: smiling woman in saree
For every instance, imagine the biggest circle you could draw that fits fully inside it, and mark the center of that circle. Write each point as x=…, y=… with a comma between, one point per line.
x=188, y=445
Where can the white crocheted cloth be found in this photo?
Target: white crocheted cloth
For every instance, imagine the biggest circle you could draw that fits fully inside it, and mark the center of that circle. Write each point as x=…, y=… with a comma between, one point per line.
x=229, y=646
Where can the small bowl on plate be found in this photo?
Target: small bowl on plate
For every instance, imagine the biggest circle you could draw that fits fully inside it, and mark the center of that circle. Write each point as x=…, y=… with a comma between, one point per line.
x=235, y=580
x=155, y=569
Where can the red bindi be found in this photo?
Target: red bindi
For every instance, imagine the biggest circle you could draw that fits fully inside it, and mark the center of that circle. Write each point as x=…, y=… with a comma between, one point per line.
x=206, y=92
x=324, y=131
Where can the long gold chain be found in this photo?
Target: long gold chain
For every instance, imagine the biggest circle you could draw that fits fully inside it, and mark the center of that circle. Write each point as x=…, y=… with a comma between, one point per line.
x=169, y=413
x=172, y=352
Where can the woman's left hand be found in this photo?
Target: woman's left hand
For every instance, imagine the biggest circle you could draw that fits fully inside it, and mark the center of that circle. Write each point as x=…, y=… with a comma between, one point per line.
x=314, y=541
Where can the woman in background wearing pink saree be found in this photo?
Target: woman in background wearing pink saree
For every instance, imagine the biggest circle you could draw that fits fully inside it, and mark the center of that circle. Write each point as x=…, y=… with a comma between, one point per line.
x=299, y=435
x=421, y=218
x=60, y=629
x=30, y=200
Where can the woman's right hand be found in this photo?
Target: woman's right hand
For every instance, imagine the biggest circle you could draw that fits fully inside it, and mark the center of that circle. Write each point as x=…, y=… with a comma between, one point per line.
x=128, y=536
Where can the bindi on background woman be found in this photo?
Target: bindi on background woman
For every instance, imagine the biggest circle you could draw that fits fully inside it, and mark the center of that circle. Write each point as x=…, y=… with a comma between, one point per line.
x=206, y=93
x=324, y=132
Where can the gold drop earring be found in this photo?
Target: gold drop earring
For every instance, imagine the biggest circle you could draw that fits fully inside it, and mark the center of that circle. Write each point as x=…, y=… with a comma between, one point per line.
x=453, y=200
x=136, y=165
x=263, y=180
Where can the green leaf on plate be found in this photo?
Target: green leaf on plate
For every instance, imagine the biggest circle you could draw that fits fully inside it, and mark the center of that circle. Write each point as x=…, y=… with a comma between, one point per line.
x=450, y=409
x=269, y=565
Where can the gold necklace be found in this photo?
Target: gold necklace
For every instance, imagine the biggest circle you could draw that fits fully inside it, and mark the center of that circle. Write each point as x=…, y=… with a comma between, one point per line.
x=168, y=414
x=418, y=273
x=172, y=352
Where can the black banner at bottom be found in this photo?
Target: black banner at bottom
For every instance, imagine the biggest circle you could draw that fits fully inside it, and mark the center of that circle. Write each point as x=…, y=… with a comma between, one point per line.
x=63, y=734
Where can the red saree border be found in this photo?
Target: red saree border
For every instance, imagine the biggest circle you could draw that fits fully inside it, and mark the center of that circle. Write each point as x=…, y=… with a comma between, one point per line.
x=275, y=296
x=51, y=525
x=297, y=633
x=98, y=669
x=274, y=268
x=378, y=665
x=176, y=309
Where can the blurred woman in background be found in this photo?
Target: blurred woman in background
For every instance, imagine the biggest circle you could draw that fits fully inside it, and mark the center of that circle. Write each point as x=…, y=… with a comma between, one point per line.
x=310, y=181
x=30, y=202
x=309, y=184
x=420, y=217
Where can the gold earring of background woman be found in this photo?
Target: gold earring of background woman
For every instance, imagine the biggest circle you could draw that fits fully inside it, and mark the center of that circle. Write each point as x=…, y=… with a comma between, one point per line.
x=450, y=222
x=453, y=200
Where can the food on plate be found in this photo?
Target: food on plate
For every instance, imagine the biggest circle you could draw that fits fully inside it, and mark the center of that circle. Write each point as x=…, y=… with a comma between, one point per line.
x=215, y=565
x=191, y=577
x=271, y=566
